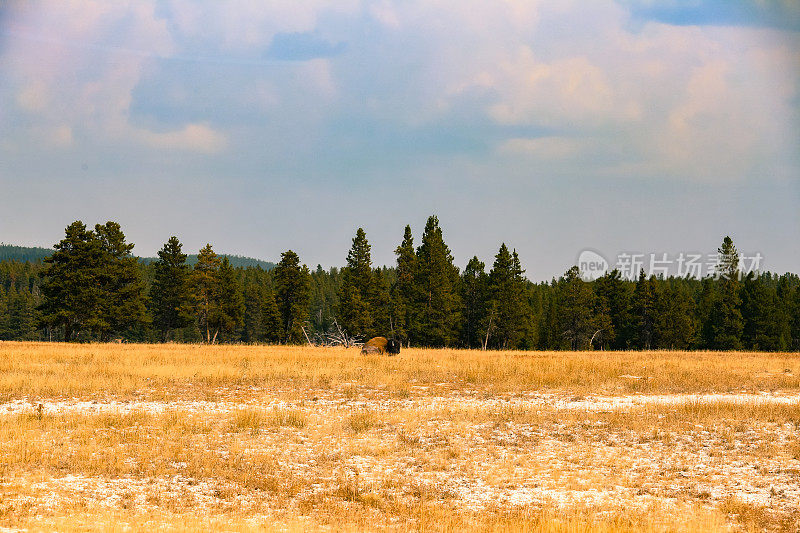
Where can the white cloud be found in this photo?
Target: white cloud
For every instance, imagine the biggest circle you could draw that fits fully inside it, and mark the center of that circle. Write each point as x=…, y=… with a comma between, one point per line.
x=193, y=137
x=542, y=147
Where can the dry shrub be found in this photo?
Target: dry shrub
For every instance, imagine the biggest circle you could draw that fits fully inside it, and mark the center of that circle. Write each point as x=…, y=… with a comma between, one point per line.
x=288, y=417
x=361, y=420
x=251, y=420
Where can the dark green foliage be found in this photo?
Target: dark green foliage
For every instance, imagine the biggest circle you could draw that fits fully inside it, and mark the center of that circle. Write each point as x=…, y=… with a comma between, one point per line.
x=403, y=293
x=673, y=327
x=23, y=254
x=270, y=319
x=615, y=296
x=92, y=283
x=91, y=289
x=228, y=316
x=725, y=322
x=122, y=299
x=794, y=319
x=576, y=323
x=292, y=294
x=169, y=293
x=70, y=290
x=766, y=322
x=204, y=281
x=643, y=311
x=507, y=312
x=436, y=309
x=475, y=298
x=357, y=295
x=705, y=299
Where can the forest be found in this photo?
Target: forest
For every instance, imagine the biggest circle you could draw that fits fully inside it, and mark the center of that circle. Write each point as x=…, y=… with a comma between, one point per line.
x=92, y=288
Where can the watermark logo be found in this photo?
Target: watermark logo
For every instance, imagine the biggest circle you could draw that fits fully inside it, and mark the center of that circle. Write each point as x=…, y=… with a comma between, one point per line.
x=592, y=265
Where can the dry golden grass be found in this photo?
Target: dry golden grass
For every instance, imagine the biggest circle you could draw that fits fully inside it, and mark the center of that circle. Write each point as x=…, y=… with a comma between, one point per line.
x=172, y=370
x=246, y=438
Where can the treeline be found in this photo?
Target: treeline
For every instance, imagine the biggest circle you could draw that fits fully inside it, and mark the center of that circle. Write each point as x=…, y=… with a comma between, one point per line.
x=93, y=288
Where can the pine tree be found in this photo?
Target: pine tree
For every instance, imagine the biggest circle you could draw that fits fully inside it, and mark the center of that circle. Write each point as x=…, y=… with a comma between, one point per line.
x=293, y=293
x=727, y=260
x=70, y=289
x=475, y=297
x=254, y=296
x=21, y=314
x=356, y=294
x=5, y=331
x=762, y=315
x=438, y=304
x=204, y=280
x=604, y=329
x=644, y=312
x=380, y=295
x=228, y=317
x=550, y=337
x=170, y=293
x=725, y=319
x=673, y=327
x=794, y=319
x=271, y=319
x=575, y=320
x=122, y=301
x=614, y=292
x=705, y=304
x=506, y=286
x=783, y=312
x=403, y=292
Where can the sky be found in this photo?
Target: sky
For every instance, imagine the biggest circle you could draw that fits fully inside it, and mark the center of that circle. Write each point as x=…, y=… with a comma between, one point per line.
x=553, y=126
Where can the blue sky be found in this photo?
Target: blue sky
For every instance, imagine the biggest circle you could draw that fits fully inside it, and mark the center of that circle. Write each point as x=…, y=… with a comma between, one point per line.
x=552, y=126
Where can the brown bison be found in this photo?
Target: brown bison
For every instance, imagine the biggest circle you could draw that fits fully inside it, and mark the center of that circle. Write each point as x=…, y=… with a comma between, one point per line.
x=381, y=345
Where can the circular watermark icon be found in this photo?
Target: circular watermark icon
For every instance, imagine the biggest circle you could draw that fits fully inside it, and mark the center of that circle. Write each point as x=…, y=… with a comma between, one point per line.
x=592, y=265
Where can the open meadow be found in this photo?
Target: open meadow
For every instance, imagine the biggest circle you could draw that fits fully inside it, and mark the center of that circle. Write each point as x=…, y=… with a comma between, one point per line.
x=243, y=438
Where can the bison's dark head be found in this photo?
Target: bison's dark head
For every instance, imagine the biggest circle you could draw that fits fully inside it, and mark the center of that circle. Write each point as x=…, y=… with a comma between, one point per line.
x=393, y=346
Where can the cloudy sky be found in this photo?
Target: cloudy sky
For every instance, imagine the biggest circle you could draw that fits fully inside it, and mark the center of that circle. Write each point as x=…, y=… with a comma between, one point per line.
x=554, y=126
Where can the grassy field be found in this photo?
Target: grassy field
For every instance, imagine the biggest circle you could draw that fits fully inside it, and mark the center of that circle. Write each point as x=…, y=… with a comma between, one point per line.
x=242, y=438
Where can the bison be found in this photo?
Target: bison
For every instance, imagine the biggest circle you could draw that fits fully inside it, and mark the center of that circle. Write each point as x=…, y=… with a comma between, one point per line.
x=381, y=345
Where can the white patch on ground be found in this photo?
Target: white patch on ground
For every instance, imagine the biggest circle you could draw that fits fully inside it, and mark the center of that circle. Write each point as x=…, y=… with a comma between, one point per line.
x=435, y=403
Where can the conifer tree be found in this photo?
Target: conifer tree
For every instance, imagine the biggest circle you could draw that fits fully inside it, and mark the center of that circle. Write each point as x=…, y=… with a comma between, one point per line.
x=403, y=293
x=380, y=293
x=292, y=295
x=204, y=280
x=673, y=327
x=475, y=297
x=795, y=319
x=170, y=295
x=253, y=327
x=5, y=331
x=705, y=304
x=614, y=292
x=438, y=304
x=575, y=319
x=762, y=315
x=725, y=320
x=122, y=303
x=356, y=296
x=783, y=312
x=506, y=286
x=70, y=289
x=271, y=319
x=229, y=302
x=644, y=312
x=550, y=337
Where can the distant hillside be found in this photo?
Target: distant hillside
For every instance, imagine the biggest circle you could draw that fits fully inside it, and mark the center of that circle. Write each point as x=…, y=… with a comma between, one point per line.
x=9, y=252
x=236, y=261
